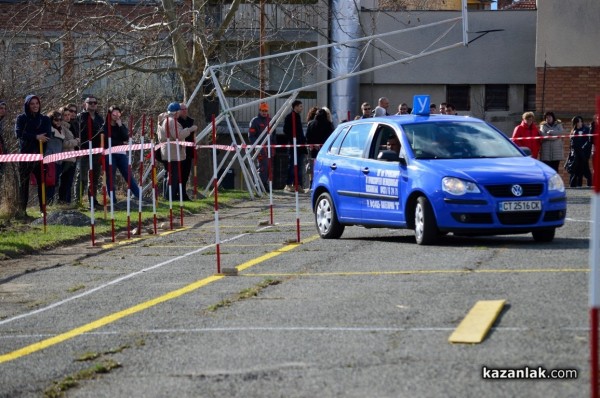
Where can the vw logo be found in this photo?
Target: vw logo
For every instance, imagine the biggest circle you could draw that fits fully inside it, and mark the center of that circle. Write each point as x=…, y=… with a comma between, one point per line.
x=516, y=190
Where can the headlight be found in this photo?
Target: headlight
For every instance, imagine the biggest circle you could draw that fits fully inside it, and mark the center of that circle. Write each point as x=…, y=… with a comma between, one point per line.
x=555, y=183
x=456, y=186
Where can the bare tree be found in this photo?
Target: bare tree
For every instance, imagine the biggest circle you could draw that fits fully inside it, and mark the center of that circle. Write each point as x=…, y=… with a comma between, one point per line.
x=141, y=56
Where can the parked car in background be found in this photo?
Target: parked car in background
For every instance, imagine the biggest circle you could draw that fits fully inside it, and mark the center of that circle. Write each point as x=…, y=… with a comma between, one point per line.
x=453, y=174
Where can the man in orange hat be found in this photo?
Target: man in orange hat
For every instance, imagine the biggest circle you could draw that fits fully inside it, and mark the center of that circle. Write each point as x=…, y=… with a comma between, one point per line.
x=257, y=125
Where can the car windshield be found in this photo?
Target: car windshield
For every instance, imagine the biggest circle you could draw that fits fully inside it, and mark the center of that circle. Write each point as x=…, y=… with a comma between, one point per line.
x=457, y=140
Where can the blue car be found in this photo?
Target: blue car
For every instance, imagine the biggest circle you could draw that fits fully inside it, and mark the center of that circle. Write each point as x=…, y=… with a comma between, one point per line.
x=450, y=174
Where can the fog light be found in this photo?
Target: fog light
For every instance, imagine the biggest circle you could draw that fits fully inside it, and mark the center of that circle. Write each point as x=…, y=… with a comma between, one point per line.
x=463, y=218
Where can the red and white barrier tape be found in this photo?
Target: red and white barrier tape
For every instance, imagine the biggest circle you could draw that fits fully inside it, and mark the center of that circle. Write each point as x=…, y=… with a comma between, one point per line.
x=551, y=137
x=20, y=157
x=57, y=157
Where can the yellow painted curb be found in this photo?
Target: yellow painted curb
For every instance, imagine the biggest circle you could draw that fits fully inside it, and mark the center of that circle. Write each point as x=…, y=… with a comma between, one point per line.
x=478, y=322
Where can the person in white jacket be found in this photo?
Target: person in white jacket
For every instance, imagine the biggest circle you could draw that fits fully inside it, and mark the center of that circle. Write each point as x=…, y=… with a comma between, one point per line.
x=552, y=148
x=70, y=143
x=173, y=134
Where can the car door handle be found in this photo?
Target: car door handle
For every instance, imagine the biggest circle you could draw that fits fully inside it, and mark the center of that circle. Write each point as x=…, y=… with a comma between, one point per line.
x=365, y=170
x=333, y=166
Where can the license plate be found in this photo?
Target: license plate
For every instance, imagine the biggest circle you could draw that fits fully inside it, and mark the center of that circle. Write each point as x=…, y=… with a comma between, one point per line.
x=520, y=205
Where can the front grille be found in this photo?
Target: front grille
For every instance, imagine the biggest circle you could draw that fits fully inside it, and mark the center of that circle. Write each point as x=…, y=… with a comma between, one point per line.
x=473, y=218
x=519, y=217
x=503, y=191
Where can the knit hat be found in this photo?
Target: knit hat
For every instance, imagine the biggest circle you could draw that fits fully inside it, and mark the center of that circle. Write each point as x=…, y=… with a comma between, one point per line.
x=263, y=107
x=173, y=107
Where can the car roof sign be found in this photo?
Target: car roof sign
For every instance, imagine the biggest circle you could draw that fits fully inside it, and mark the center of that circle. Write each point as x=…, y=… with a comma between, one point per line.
x=421, y=105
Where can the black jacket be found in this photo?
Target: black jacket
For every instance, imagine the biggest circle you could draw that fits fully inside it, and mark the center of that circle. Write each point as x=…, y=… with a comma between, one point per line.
x=288, y=130
x=97, y=123
x=29, y=125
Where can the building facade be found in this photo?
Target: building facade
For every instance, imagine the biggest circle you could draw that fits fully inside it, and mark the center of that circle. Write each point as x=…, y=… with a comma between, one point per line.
x=492, y=78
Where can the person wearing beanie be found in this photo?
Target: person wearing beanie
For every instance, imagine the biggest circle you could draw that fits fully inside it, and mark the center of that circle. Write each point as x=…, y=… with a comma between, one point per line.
x=169, y=131
x=257, y=125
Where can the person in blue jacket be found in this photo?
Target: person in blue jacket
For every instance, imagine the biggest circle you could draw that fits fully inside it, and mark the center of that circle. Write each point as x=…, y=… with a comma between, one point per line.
x=31, y=128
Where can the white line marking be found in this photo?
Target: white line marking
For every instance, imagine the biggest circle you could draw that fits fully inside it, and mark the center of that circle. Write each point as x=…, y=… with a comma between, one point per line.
x=288, y=329
x=113, y=282
x=576, y=220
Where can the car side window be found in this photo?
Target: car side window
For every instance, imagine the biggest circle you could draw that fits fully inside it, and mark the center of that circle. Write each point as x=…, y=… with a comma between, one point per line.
x=382, y=134
x=355, y=141
x=335, y=146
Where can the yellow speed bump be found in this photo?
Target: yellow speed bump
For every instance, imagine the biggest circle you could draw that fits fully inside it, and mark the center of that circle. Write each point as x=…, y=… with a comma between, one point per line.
x=478, y=322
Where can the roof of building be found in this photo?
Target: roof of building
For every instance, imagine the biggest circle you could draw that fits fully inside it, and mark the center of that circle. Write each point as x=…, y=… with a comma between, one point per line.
x=522, y=5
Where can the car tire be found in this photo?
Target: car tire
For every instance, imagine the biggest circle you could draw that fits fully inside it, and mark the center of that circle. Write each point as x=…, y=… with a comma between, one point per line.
x=326, y=219
x=426, y=231
x=544, y=235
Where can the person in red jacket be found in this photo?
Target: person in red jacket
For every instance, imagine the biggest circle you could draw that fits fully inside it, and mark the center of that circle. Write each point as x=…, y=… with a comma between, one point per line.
x=527, y=134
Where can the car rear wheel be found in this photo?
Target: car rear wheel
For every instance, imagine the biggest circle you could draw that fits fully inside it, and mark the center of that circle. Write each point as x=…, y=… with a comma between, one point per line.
x=326, y=219
x=426, y=231
x=544, y=235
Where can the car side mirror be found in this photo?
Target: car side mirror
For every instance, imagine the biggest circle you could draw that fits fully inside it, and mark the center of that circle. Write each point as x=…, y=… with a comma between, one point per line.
x=388, y=156
x=526, y=150
x=402, y=158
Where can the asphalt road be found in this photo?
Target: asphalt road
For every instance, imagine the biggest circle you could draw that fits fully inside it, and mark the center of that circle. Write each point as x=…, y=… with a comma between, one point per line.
x=368, y=315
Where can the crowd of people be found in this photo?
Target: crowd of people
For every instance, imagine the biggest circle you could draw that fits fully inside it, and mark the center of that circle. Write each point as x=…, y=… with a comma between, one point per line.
x=546, y=144
x=66, y=130
x=319, y=126
x=545, y=141
x=383, y=105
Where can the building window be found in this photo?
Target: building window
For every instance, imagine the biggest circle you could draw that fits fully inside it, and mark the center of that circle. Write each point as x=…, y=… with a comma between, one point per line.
x=529, y=98
x=459, y=95
x=496, y=97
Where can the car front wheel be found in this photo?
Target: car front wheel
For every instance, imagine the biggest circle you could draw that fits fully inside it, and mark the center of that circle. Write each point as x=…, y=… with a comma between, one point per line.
x=426, y=231
x=326, y=219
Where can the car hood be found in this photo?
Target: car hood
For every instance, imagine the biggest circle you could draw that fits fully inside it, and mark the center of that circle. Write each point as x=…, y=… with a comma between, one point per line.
x=491, y=171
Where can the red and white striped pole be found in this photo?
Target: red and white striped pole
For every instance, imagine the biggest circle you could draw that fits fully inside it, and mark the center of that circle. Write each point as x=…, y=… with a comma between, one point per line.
x=91, y=193
x=270, y=168
x=141, y=177
x=43, y=183
x=294, y=116
x=153, y=166
x=104, y=179
x=595, y=265
x=216, y=189
x=179, y=183
x=129, y=174
x=110, y=178
x=170, y=172
x=195, y=166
